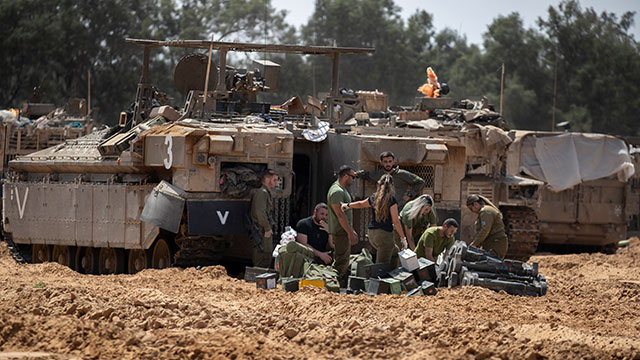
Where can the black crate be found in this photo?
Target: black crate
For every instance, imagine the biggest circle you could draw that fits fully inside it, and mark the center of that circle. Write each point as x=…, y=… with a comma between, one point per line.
x=291, y=284
x=426, y=270
x=377, y=270
x=428, y=288
x=250, y=273
x=357, y=283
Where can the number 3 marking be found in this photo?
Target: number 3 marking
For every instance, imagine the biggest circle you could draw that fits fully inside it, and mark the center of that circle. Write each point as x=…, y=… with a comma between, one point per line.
x=169, y=142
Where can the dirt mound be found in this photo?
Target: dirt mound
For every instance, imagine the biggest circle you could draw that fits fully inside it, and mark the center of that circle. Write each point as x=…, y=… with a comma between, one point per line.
x=48, y=311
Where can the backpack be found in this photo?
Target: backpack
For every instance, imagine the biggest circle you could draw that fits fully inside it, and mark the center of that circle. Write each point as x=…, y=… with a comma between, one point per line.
x=357, y=263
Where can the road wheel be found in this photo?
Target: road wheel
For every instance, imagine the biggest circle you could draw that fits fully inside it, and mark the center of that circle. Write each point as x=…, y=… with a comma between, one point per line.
x=40, y=253
x=63, y=255
x=138, y=261
x=111, y=261
x=86, y=260
x=161, y=257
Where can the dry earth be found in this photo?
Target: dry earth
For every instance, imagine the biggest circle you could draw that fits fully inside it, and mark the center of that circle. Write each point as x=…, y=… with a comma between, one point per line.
x=592, y=310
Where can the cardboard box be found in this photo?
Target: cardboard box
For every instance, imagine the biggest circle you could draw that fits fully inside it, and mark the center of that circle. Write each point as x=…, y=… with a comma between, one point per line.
x=408, y=259
x=374, y=101
x=166, y=112
x=294, y=106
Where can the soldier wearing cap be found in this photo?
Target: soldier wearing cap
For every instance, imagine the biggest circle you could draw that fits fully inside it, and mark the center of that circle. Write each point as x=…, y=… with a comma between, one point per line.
x=490, y=234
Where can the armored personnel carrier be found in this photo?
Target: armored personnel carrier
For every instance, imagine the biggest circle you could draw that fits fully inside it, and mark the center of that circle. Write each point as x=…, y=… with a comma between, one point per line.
x=588, y=197
x=520, y=171
x=165, y=186
x=456, y=150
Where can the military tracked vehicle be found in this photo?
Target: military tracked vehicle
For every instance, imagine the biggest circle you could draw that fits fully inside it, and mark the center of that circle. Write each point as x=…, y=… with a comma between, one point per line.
x=588, y=197
x=456, y=150
x=165, y=186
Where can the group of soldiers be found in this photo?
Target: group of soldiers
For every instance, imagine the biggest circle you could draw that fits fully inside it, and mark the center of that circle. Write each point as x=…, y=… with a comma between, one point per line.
x=412, y=216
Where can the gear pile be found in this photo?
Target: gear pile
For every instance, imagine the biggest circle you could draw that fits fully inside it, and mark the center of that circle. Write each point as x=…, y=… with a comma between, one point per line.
x=466, y=265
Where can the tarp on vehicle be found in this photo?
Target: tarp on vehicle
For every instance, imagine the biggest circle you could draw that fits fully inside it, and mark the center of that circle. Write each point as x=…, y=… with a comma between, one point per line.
x=563, y=161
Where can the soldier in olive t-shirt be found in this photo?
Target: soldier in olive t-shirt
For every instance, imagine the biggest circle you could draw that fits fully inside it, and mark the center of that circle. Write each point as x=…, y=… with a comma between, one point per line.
x=341, y=222
x=436, y=240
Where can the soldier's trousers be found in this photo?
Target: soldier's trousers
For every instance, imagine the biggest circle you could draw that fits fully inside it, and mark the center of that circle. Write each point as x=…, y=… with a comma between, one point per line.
x=497, y=246
x=263, y=258
x=341, y=256
x=386, y=248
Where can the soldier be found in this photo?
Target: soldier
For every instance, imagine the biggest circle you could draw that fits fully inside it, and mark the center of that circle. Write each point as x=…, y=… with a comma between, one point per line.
x=262, y=215
x=313, y=232
x=407, y=185
x=437, y=239
x=341, y=222
x=490, y=234
x=384, y=219
x=416, y=216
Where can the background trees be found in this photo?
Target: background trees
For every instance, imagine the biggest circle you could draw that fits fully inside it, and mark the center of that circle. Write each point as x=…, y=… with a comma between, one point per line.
x=55, y=43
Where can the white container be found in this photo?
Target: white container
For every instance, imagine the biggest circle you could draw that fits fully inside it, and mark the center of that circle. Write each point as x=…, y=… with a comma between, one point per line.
x=408, y=259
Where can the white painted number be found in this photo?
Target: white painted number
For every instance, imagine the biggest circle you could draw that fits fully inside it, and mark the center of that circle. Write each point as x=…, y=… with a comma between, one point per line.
x=223, y=219
x=21, y=204
x=169, y=161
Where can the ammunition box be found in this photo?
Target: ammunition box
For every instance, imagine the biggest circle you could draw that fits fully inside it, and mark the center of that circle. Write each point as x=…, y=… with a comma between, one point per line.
x=357, y=283
x=414, y=292
x=406, y=279
x=378, y=286
x=250, y=273
x=426, y=270
x=395, y=286
x=266, y=281
x=377, y=270
x=428, y=288
x=291, y=284
x=408, y=259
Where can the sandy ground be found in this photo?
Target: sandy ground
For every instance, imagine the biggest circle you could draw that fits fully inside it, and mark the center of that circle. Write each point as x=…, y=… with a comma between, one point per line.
x=592, y=311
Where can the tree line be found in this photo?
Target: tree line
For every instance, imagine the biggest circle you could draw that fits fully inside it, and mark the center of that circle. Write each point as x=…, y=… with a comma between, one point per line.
x=575, y=65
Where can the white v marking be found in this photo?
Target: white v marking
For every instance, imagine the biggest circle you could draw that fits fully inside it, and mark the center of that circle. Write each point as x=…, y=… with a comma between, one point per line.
x=24, y=201
x=223, y=219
